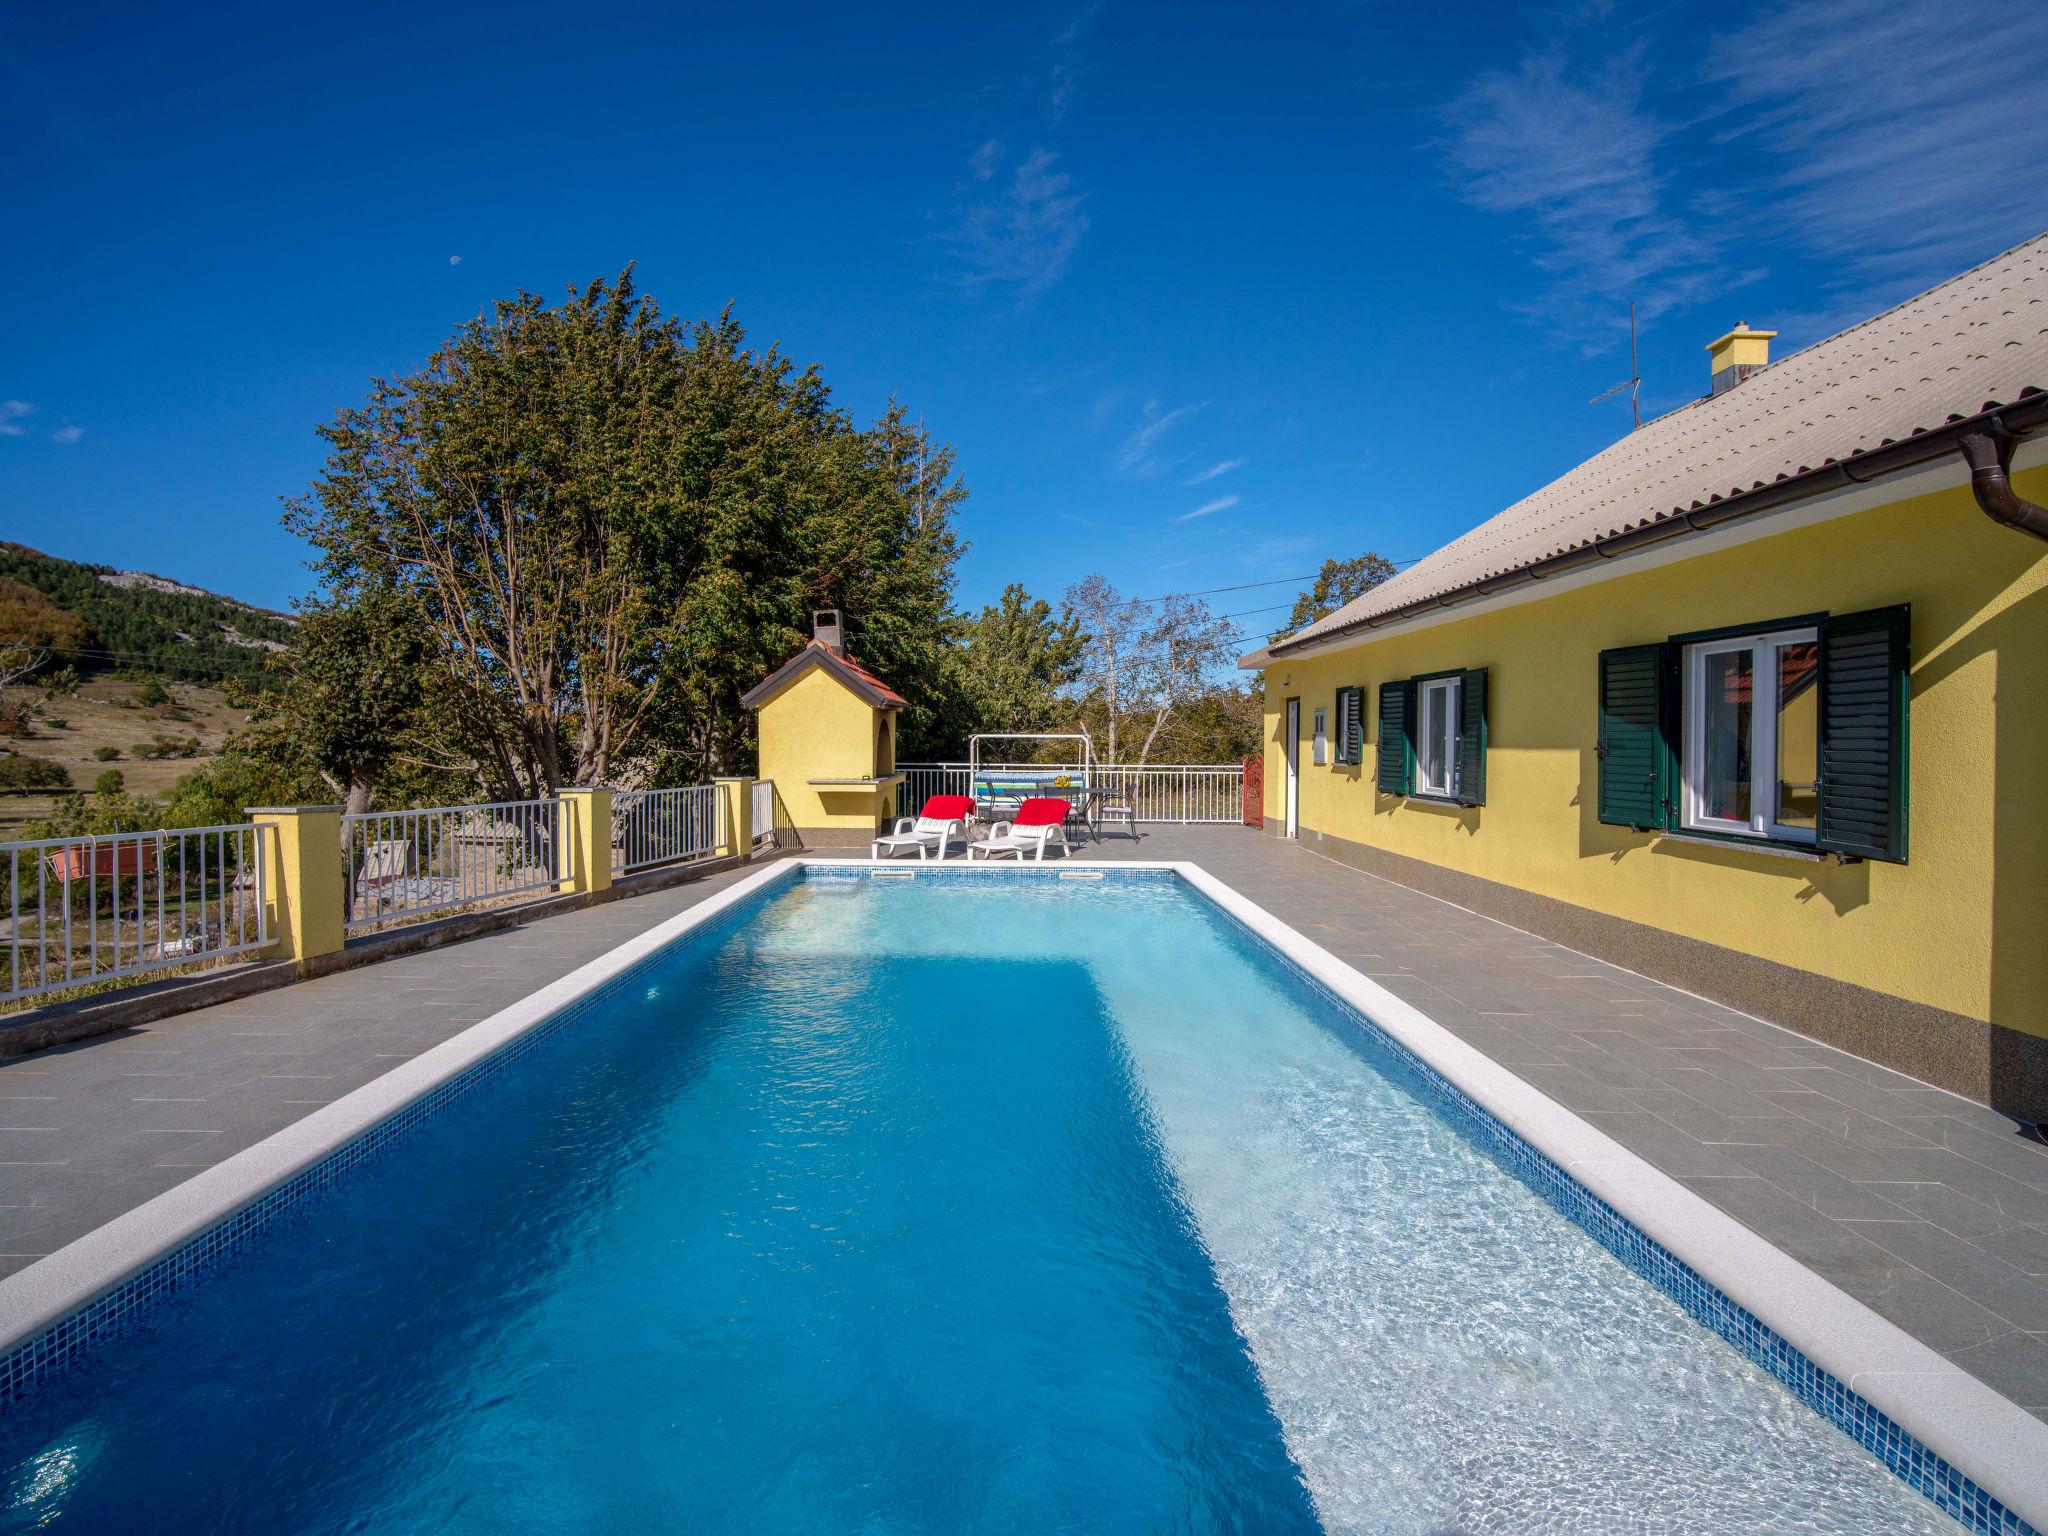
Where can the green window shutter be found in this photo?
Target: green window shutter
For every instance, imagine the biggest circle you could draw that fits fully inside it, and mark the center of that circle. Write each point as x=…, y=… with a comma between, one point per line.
x=1472, y=738
x=1631, y=748
x=1864, y=686
x=1397, y=738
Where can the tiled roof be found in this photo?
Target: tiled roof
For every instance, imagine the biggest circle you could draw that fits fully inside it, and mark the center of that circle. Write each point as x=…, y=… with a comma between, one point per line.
x=1975, y=341
x=888, y=695
x=842, y=666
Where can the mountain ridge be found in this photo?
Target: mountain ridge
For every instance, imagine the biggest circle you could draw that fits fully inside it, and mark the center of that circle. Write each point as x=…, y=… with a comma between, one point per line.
x=142, y=621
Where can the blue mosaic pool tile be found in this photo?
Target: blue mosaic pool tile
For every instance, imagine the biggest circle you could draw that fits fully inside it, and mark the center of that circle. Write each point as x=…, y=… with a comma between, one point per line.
x=1708, y=1305
x=64, y=1344
x=960, y=869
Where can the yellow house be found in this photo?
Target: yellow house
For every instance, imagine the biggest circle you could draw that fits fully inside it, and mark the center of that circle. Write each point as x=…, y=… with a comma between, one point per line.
x=827, y=733
x=1754, y=702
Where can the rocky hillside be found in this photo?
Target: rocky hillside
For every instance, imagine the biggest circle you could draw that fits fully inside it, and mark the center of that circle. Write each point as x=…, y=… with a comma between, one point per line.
x=138, y=622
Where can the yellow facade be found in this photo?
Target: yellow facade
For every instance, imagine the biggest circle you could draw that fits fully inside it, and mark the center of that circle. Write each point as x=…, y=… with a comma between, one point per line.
x=1957, y=928
x=817, y=729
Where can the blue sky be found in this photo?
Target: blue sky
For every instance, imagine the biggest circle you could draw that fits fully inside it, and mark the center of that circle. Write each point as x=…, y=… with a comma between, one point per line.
x=1201, y=293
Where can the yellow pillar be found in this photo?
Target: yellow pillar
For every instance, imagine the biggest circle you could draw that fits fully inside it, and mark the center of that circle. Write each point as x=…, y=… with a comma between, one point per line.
x=304, y=884
x=583, y=840
x=736, y=811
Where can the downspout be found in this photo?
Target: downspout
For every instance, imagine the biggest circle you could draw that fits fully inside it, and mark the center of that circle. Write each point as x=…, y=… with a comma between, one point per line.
x=1988, y=451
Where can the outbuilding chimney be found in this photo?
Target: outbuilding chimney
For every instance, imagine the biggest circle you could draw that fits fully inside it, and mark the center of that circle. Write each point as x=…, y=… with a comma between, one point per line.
x=1737, y=355
x=828, y=629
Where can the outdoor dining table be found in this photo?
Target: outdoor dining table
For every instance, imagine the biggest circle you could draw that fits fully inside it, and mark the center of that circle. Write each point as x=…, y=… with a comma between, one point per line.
x=1084, y=800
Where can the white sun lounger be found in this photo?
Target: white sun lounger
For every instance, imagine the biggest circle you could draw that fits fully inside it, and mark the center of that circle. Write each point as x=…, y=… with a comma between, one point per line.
x=929, y=835
x=1039, y=825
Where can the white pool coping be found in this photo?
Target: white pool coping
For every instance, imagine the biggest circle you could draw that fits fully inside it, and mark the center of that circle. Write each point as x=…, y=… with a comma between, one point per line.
x=1985, y=1436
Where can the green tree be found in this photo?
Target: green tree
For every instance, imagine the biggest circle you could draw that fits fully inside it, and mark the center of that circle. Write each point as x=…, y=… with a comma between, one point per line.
x=111, y=781
x=1337, y=583
x=1011, y=667
x=608, y=528
x=357, y=703
x=25, y=775
x=222, y=792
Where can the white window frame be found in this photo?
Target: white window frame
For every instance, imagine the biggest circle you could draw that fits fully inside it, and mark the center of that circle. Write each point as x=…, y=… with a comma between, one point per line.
x=1450, y=690
x=1321, y=755
x=1763, y=820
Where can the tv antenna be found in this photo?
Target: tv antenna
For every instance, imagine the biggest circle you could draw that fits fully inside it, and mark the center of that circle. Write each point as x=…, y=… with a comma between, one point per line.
x=1634, y=382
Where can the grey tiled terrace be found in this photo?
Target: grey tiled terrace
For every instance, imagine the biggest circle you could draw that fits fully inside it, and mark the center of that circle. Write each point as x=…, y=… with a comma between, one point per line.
x=1931, y=1210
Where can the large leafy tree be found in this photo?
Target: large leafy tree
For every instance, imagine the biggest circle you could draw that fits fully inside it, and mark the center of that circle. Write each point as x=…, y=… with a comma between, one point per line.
x=360, y=701
x=608, y=526
x=1142, y=662
x=1337, y=583
x=1012, y=665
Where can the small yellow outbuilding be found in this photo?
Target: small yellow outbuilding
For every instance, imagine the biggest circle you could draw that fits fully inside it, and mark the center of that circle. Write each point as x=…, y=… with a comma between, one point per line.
x=828, y=739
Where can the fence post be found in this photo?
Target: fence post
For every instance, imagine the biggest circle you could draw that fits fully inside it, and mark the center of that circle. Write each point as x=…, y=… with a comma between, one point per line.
x=583, y=839
x=304, y=881
x=736, y=813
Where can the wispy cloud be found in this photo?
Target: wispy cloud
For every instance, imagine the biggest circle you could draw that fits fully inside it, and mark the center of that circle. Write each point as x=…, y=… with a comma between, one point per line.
x=1222, y=468
x=1571, y=150
x=1066, y=62
x=1895, y=131
x=1144, y=453
x=1018, y=219
x=1023, y=236
x=11, y=414
x=1855, y=131
x=67, y=434
x=1210, y=508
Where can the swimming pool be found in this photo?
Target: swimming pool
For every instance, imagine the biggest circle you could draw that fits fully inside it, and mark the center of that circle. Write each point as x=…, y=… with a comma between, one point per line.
x=958, y=1203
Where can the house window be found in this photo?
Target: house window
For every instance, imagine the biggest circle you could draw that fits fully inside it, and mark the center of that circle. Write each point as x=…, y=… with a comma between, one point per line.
x=1436, y=738
x=1350, y=726
x=1752, y=735
x=1322, y=737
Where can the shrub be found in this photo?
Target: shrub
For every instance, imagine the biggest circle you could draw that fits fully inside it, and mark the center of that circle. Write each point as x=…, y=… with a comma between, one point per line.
x=106, y=754
x=62, y=681
x=23, y=775
x=57, y=722
x=152, y=692
x=112, y=781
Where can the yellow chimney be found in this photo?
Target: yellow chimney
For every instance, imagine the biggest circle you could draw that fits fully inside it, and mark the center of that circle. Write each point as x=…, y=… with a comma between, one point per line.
x=1734, y=357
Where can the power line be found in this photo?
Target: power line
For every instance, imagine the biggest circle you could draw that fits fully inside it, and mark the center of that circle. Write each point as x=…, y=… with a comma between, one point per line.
x=1277, y=581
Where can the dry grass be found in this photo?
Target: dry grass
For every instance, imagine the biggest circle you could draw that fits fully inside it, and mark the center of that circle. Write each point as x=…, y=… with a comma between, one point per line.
x=104, y=713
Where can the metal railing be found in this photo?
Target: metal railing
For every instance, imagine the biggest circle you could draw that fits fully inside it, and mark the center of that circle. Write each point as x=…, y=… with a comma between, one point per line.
x=666, y=826
x=763, y=820
x=401, y=865
x=90, y=909
x=1180, y=793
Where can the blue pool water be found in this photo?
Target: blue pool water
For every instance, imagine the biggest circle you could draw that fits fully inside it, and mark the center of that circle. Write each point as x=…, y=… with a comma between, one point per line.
x=957, y=1204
